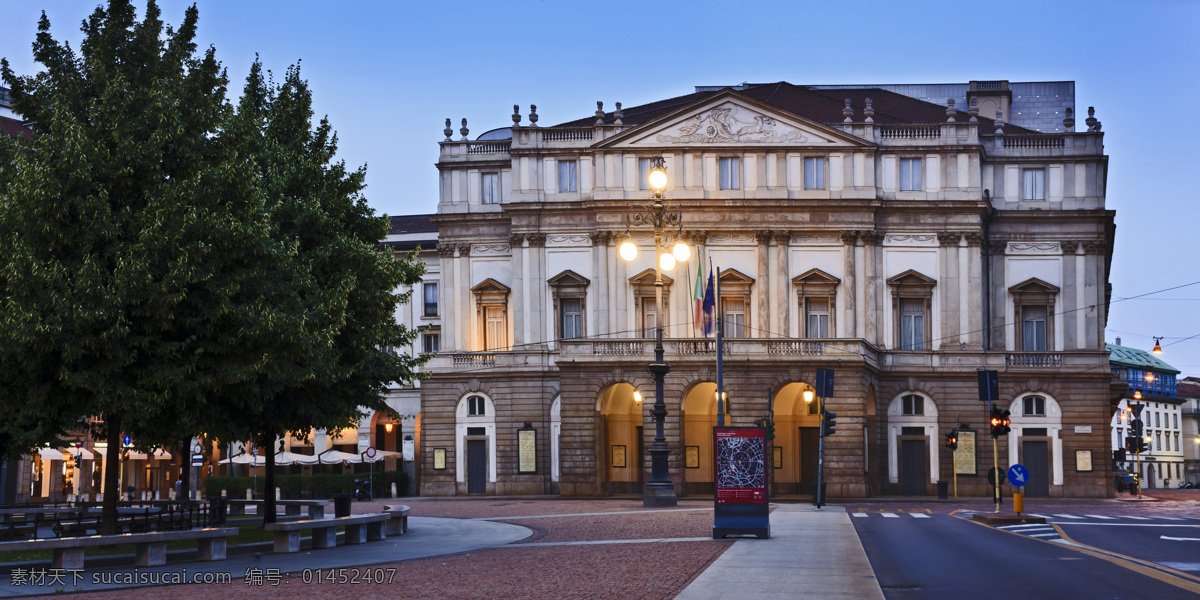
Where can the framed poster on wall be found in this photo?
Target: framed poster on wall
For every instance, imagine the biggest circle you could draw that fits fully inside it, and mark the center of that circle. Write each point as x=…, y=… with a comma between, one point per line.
x=777, y=457
x=691, y=455
x=618, y=456
x=964, y=457
x=1083, y=461
x=439, y=458
x=527, y=450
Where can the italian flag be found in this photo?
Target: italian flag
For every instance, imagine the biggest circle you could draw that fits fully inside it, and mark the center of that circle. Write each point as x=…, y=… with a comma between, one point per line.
x=698, y=296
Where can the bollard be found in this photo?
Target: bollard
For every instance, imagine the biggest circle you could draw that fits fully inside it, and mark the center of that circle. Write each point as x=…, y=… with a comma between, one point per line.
x=277, y=494
x=248, y=494
x=393, y=489
x=223, y=494
x=1018, y=502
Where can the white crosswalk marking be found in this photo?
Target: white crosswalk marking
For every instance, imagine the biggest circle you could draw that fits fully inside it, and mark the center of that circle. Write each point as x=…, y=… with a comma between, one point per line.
x=1039, y=516
x=859, y=514
x=1042, y=534
x=1100, y=517
x=1172, y=518
x=891, y=515
x=1068, y=516
x=920, y=516
x=1138, y=518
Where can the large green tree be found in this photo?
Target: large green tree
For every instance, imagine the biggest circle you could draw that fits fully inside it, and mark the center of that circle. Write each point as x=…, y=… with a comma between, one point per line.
x=333, y=355
x=131, y=239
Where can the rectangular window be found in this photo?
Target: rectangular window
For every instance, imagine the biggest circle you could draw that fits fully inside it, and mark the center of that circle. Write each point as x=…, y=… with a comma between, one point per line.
x=910, y=174
x=431, y=342
x=913, y=405
x=475, y=408
x=643, y=173
x=912, y=325
x=649, y=320
x=731, y=171
x=1033, y=184
x=572, y=318
x=491, y=188
x=1158, y=440
x=431, y=299
x=818, y=318
x=735, y=317
x=1035, y=406
x=1157, y=423
x=1177, y=448
x=566, y=176
x=1176, y=416
x=495, y=332
x=1033, y=328
x=814, y=173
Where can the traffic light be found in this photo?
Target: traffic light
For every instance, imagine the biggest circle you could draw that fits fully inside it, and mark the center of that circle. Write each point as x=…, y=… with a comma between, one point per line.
x=1119, y=455
x=125, y=455
x=1000, y=422
x=952, y=440
x=828, y=422
x=1136, y=427
x=1143, y=445
x=1131, y=445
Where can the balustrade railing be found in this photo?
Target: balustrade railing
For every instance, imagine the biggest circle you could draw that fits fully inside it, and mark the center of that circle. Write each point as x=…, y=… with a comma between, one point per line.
x=567, y=134
x=498, y=147
x=794, y=348
x=1033, y=359
x=474, y=359
x=895, y=132
x=1034, y=141
x=617, y=348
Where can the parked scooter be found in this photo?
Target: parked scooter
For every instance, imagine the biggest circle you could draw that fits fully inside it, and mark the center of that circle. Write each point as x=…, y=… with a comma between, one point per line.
x=1183, y=485
x=361, y=490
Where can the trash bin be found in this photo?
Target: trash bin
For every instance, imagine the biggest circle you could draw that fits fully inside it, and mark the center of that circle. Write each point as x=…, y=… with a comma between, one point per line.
x=943, y=490
x=341, y=505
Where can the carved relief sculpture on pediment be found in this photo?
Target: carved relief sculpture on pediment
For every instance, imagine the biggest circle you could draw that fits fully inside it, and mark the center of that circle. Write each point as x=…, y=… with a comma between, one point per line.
x=730, y=123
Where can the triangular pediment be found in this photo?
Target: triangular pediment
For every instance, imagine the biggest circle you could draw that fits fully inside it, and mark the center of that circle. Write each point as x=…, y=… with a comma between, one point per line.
x=491, y=286
x=734, y=276
x=911, y=277
x=1034, y=285
x=732, y=119
x=815, y=277
x=647, y=278
x=568, y=278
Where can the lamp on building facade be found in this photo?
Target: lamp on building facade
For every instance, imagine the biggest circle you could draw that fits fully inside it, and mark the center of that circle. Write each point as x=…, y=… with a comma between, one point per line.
x=659, y=491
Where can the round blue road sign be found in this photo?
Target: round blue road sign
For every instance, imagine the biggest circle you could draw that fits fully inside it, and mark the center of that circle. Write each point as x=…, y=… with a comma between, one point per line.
x=1018, y=475
x=126, y=440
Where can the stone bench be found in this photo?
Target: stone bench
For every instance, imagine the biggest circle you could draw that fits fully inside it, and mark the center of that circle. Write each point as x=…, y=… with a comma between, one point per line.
x=359, y=530
x=398, y=519
x=316, y=508
x=151, y=547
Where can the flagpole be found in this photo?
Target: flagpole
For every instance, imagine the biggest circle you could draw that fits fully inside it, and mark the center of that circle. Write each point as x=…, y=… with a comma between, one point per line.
x=720, y=344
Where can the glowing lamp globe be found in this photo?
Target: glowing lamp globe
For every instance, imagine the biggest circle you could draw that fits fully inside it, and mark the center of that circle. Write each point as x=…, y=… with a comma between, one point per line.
x=658, y=179
x=681, y=252
x=666, y=261
x=628, y=250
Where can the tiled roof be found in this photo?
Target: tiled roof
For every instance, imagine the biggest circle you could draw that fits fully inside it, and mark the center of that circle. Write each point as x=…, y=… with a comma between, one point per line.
x=1188, y=386
x=13, y=128
x=1133, y=357
x=412, y=224
x=821, y=105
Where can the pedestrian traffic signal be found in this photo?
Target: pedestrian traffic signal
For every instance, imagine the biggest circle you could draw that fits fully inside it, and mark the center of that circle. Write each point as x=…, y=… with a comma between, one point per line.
x=125, y=455
x=1143, y=445
x=1000, y=422
x=1119, y=455
x=952, y=440
x=1136, y=427
x=1131, y=444
x=828, y=422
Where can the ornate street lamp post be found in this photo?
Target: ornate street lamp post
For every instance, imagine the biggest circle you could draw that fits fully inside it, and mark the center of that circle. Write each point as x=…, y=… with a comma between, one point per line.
x=659, y=491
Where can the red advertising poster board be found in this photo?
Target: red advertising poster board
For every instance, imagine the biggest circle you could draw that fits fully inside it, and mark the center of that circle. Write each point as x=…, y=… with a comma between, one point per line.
x=741, y=465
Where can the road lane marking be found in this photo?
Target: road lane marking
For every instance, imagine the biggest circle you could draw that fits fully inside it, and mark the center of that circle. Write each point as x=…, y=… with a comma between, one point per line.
x=920, y=516
x=891, y=515
x=1167, y=537
x=1138, y=518
x=1024, y=526
x=1126, y=524
x=1171, y=518
x=1100, y=517
x=1039, y=516
x=1068, y=516
x=859, y=514
x=1038, y=535
x=1182, y=566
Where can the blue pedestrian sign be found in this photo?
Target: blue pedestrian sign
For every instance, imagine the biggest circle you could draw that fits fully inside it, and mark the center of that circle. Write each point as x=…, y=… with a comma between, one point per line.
x=1018, y=475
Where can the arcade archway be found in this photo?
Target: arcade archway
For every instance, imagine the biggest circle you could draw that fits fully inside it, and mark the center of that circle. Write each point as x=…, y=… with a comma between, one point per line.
x=797, y=440
x=620, y=452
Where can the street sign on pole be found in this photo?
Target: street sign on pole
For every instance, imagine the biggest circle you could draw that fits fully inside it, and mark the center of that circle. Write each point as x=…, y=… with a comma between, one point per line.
x=197, y=460
x=989, y=386
x=126, y=440
x=1018, y=475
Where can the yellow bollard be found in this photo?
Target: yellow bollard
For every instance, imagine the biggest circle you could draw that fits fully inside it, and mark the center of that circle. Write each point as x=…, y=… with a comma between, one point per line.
x=1018, y=502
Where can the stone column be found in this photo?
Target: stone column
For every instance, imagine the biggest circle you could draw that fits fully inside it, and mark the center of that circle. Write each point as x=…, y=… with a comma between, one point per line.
x=850, y=285
x=948, y=287
x=1074, y=329
x=449, y=293
x=783, y=282
x=974, y=275
x=535, y=286
x=463, y=303
x=871, y=325
x=1098, y=252
x=519, y=302
x=765, y=284
x=999, y=297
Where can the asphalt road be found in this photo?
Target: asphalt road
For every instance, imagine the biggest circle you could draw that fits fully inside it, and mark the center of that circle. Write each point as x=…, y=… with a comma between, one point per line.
x=943, y=556
x=1155, y=539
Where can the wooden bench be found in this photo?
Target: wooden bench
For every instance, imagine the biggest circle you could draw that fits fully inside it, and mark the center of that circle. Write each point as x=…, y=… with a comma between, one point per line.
x=316, y=508
x=359, y=530
x=151, y=548
x=398, y=519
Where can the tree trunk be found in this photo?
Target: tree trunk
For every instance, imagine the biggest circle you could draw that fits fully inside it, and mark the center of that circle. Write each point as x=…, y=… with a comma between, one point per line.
x=269, y=492
x=112, y=477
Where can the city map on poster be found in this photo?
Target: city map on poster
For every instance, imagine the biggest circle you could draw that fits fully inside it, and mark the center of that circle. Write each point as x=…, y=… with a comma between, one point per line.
x=741, y=465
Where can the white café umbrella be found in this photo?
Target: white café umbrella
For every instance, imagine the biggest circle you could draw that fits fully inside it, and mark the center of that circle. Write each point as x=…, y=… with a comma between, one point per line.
x=380, y=455
x=245, y=459
x=159, y=454
x=288, y=458
x=334, y=457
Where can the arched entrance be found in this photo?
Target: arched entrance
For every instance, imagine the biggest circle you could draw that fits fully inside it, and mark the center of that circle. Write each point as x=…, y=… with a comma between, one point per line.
x=619, y=437
x=699, y=418
x=1036, y=441
x=913, y=458
x=797, y=440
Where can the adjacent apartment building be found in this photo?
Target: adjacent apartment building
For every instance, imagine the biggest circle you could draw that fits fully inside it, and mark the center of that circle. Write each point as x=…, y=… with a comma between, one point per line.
x=1151, y=395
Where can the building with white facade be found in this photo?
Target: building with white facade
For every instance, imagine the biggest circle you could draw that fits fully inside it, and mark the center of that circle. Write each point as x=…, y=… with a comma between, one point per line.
x=1188, y=390
x=903, y=244
x=1150, y=395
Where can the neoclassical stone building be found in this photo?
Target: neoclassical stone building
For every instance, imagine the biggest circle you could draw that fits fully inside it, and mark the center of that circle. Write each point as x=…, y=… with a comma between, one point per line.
x=903, y=243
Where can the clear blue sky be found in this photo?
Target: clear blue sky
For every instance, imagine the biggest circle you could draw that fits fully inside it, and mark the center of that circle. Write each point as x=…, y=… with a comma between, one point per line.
x=388, y=73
